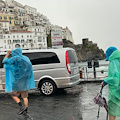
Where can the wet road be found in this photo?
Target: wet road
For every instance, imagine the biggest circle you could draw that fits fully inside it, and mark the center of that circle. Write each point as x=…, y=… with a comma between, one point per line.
x=72, y=104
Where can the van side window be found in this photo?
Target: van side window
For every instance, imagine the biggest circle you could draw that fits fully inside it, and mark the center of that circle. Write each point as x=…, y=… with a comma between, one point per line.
x=1, y=59
x=42, y=57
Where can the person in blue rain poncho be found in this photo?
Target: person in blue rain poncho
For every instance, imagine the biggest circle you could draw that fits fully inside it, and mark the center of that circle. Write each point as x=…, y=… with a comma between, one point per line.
x=18, y=77
x=113, y=82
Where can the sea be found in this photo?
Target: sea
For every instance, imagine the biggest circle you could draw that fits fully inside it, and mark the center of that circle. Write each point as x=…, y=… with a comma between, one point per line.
x=101, y=62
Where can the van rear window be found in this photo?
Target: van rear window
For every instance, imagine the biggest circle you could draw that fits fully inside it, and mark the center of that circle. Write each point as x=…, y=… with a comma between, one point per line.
x=72, y=56
x=42, y=57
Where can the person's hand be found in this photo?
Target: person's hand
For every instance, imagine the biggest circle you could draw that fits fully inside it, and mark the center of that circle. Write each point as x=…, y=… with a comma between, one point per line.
x=8, y=52
x=102, y=84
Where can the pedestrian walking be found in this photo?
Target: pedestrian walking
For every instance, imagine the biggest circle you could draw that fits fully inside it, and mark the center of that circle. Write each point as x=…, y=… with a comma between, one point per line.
x=113, y=81
x=19, y=77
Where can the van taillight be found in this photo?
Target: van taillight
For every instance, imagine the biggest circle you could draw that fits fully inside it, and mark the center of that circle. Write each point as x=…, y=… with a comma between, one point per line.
x=67, y=62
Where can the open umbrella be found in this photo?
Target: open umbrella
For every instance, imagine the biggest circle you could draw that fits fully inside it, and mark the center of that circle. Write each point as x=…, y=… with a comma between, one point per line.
x=101, y=101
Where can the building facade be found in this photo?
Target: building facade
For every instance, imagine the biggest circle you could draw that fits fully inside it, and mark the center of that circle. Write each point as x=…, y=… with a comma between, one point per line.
x=22, y=26
x=8, y=17
x=4, y=26
x=23, y=39
x=66, y=33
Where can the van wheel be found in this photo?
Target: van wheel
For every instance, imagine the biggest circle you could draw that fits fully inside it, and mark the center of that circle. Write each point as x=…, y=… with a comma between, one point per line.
x=47, y=87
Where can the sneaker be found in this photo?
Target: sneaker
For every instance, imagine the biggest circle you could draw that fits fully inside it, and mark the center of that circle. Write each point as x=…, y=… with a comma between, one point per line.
x=22, y=109
x=27, y=116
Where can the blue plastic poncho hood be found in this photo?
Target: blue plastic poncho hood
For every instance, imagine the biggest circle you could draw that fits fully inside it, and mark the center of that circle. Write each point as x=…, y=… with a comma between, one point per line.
x=19, y=73
x=109, y=51
x=16, y=52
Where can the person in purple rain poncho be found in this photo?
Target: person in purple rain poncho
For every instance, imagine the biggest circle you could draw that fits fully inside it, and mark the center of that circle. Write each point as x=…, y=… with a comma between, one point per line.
x=18, y=77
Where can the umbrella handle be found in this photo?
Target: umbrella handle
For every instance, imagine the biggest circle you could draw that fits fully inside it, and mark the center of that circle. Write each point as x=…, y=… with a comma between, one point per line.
x=101, y=89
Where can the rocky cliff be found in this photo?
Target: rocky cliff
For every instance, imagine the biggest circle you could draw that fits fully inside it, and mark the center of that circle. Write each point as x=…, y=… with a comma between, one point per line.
x=87, y=50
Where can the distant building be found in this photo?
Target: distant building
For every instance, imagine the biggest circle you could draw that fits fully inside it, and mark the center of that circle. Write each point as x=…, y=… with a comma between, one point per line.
x=66, y=33
x=30, y=10
x=14, y=39
x=40, y=37
x=22, y=26
x=4, y=26
x=33, y=38
x=8, y=17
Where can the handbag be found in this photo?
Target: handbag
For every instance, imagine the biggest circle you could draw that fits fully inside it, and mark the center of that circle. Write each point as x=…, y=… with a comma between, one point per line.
x=101, y=101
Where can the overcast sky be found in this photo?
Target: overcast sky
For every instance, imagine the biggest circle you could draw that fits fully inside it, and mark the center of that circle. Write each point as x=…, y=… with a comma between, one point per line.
x=98, y=20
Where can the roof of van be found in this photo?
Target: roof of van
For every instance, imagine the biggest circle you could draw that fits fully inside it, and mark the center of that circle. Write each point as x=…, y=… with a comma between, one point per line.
x=40, y=50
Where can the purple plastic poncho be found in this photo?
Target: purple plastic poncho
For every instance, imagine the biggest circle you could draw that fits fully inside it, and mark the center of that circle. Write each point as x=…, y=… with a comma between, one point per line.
x=18, y=72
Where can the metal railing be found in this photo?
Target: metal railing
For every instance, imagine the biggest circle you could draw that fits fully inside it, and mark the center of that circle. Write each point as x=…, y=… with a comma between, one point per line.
x=89, y=74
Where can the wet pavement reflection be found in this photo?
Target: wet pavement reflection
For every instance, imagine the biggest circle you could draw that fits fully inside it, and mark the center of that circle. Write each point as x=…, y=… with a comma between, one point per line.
x=71, y=104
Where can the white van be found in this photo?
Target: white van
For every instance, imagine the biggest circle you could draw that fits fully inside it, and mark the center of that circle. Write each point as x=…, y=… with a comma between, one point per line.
x=53, y=68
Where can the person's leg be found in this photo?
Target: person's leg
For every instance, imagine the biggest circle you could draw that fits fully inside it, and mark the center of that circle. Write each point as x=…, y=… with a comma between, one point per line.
x=16, y=99
x=24, y=95
x=25, y=102
x=15, y=96
x=111, y=117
